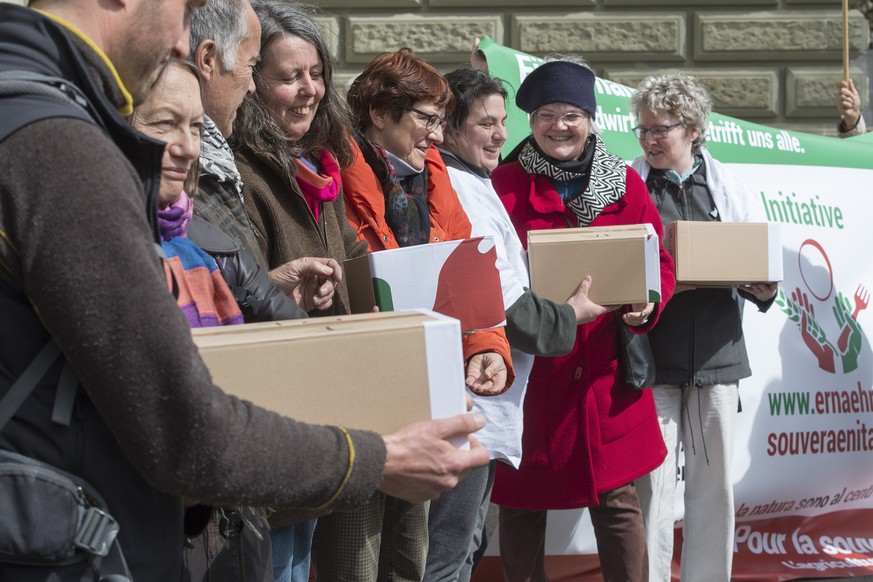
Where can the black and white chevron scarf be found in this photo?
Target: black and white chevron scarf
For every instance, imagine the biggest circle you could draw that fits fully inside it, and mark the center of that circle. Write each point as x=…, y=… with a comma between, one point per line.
x=606, y=182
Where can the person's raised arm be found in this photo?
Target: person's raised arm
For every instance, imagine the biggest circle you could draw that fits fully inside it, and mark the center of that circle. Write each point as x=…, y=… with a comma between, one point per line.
x=848, y=103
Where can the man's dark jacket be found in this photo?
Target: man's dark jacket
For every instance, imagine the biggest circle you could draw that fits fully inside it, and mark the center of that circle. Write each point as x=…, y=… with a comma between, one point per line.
x=78, y=264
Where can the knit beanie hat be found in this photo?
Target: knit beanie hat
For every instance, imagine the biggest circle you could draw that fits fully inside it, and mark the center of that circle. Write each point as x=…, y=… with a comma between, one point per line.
x=558, y=82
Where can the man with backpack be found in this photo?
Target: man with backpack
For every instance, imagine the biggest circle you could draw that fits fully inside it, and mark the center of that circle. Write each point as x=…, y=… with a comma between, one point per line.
x=129, y=406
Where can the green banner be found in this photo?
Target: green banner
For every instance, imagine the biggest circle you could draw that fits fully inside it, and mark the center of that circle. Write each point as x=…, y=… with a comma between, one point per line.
x=729, y=139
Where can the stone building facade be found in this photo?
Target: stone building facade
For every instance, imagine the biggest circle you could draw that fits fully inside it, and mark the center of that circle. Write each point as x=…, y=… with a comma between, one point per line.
x=774, y=62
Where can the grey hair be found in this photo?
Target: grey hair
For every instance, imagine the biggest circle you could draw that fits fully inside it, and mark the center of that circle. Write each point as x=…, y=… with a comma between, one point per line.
x=680, y=95
x=568, y=58
x=223, y=21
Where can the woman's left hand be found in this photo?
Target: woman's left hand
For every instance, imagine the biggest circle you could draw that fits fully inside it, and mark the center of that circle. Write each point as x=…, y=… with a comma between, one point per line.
x=639, y=315
x=486, y=374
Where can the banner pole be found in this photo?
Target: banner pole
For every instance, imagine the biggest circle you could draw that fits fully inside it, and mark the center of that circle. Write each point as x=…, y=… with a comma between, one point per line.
x=845, y=40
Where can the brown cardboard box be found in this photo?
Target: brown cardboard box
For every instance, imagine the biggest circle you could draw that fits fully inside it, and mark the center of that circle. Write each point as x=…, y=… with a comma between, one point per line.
x=720, y=254
x=458, y=278
x=375, y=371
x=623, y=262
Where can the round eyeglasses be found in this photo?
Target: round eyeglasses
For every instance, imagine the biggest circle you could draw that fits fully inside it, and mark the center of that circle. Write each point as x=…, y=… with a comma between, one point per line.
x=546, y=118
x=657, y=132
x=432, y=121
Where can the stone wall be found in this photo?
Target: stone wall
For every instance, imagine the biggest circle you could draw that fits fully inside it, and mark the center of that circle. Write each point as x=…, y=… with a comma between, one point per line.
x=775, y=62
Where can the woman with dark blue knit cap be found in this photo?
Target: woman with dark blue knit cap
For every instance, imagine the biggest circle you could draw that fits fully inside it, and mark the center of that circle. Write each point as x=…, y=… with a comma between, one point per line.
x=587, y=433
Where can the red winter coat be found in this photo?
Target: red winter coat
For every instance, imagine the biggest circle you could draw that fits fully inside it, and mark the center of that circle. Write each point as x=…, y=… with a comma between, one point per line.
x=585, y=431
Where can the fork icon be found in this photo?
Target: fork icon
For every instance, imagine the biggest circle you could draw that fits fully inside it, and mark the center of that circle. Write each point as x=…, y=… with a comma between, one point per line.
x=862, y=299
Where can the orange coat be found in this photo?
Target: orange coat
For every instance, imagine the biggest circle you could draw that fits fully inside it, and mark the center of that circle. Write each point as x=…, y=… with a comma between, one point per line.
x=365, y=209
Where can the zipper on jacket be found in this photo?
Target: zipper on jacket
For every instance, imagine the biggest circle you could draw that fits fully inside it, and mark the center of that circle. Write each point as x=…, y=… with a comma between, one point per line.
x=686, y=211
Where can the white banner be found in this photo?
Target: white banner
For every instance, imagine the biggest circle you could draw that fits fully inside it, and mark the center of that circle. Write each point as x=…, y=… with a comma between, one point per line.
x=803, y=463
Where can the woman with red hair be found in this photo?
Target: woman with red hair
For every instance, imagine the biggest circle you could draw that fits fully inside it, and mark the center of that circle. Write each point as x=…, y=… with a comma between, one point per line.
x=398, y=194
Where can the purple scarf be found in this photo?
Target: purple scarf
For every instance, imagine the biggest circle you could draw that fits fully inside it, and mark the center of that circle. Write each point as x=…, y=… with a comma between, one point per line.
x=173, y=220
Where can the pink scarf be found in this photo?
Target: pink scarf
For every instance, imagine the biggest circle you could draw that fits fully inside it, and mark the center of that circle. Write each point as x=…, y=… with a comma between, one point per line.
x=320, y=187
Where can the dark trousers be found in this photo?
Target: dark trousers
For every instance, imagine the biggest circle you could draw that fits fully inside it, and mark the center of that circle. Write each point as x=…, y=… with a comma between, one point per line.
x=618, y=528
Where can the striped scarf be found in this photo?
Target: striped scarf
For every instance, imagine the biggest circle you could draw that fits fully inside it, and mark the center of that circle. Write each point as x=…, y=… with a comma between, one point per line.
x=216, y=157
x=204, y=297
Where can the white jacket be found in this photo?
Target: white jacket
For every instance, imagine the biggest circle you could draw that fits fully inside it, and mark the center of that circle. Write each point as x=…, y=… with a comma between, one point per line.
x=502, y=433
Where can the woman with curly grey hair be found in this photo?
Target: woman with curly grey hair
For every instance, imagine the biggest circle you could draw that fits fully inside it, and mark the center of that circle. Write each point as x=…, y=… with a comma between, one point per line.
x=698, y=343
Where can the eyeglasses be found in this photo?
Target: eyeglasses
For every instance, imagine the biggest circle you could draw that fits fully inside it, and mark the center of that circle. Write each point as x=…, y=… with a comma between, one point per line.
x=432, y=121
x=657, y=132
x=546, y=118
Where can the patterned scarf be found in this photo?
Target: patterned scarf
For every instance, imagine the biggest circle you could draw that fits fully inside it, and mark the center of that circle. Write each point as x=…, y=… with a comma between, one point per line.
x=604, y=171
x=204, y=296
x=173, y=220
x=216, y=157
x=317, y=186
x=406, y=210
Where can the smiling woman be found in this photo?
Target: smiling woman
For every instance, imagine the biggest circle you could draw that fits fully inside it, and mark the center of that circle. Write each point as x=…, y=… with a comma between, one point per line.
x=173, y=113
x=219, y=287
x=398, y=194
x=691, y=344
x=290, y=142
x=587, y=433
x=292, y=77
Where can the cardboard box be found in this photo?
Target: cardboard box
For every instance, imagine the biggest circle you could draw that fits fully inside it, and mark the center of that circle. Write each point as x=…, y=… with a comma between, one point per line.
x=720, y=254
x=457, y=278
x=377, y=371
x=623, y=262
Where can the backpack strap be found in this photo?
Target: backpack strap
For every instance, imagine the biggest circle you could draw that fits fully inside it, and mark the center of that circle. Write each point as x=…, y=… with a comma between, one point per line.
x=110, y=567
x=31, y=97
x=15, y=83
x=65, y=395
x=26, y=383
x=68, y=383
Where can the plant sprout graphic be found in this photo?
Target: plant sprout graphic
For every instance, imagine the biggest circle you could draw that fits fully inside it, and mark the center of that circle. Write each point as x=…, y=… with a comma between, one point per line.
x=799, y=310
x=817, y=273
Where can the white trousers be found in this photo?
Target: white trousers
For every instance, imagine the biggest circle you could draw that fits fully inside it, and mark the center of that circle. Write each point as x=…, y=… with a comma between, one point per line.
x=702, y=420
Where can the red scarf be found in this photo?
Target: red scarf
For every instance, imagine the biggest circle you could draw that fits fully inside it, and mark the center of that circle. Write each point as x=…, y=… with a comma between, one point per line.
x=320, y=187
